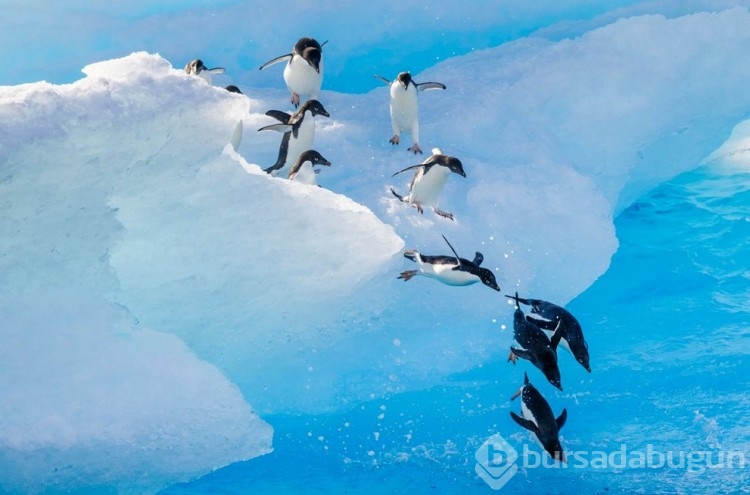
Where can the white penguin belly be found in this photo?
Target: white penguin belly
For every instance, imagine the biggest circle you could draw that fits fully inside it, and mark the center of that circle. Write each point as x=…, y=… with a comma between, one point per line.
x=404, y=108
x=302, y=78
x=447, y=275
x=527, y=414
x=306, y=175
x=427, y=188
x=298, y=145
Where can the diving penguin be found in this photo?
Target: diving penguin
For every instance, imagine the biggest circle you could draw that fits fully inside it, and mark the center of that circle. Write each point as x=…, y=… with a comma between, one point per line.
x=429, y=180
x=197, y=68
x=535, y=345
x=537, y=417
x=450, y=270
x=572, y=333
x=405, y=107
x=303, y=171
x=303, y=73
x=299, y=133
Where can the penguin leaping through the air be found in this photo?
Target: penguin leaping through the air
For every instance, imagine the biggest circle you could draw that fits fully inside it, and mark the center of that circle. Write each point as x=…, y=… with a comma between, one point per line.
x=299, y=133
x=429, y=180
x=303, y=171
x=303, y=73
x=405, y=107
x=450, y=270
x=535, y=346
x=197, y=68
x=572, y=334
x=537, y=417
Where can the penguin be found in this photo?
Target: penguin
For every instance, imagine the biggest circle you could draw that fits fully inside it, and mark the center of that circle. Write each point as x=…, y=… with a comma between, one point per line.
x=537, y=417
x=233, y=89
x=572, y=333
x=299, y=133
x=450, y=270
x=303, y=171
x=429, y=180
x=405, y=107
x=536, y=346
x=303, y=73
x=196, y=68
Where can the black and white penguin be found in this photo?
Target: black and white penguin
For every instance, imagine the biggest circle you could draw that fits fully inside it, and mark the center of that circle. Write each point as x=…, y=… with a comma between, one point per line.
x=429, y=180
x=303, y=73
x=537, y=417
x=535, y=345
x=572, y=333
x=303, y=171
x=197, y=68
x=405, y=107
x=299, y=134
x=450, y=270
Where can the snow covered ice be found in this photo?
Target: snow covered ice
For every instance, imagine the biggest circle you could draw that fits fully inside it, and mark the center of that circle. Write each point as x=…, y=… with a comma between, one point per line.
x=161, y=294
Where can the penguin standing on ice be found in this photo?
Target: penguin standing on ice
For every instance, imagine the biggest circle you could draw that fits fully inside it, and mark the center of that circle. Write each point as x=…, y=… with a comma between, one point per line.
x=572, y=334
x=299, y=133
x=303, y=171
x=405, y=107
x=303, y=73
x=535, y=346
x=429, y=180
x=197, y=68
x=450, y=270
x=537, y=417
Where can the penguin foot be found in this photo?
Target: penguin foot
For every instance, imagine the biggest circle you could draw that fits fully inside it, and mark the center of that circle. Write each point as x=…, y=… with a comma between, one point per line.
x=442, y=213
x=512, y=358
x=295, y=100
x=418, y=207
x=415, y=149
x=407, y=275
x=395, y=139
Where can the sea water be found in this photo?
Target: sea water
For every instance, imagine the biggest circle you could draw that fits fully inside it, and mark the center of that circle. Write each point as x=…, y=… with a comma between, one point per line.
x=669, y=333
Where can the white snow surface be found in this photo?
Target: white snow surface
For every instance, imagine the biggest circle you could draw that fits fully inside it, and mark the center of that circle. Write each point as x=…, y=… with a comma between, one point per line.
x=161, y=291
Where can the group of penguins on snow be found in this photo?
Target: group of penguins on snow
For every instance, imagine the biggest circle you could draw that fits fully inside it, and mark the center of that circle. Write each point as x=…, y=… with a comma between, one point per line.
x=537, y=336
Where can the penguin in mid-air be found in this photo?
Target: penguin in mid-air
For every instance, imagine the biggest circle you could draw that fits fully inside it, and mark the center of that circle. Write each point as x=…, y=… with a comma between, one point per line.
x=299, y=133
x=429, y=180
x=303, y=171
x=196, y=68
x=405, y=107
x=303, y=73
x=535, y=345
x=572, y=333
x=450, y=270
x=537, y=417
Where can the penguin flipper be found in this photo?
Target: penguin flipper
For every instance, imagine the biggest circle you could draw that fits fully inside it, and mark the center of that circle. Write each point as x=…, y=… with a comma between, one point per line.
x=401, y=198
x=382, y=79
x=216, y=70
x=519, y=300
x=276, y=61
x=458, y=259
x=561, y=419
x=429, y=85
x=542, y=323
x=407, y=169
x=282, y=117
x=522, y=353
x=525, y=423
x=277, y=127
x=557, y=336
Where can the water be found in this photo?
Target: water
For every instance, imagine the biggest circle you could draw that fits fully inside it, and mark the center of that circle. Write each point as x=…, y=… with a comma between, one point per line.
x=669, y=334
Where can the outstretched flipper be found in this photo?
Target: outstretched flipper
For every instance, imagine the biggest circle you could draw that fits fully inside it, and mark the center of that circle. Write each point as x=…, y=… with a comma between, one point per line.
x=542, y=323
x=525, y=423
x=282, y=117
x=458, y=258
x=382, y=79
x=478, y=258
x=522, y=353
x=276, y=60
x=277, y=127
x=429, y=85
x=519, y=300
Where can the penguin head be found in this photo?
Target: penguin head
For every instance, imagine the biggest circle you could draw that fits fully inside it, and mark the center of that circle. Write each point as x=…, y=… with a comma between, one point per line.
x=313, y=157
x=581, y=351
x=313, y=56
x=404, y=79
x=195, y=66
x=454, y=165
x=555, y=450
x=233, y=89
x=302, y=43
x=314, y=107
x=488, y=278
